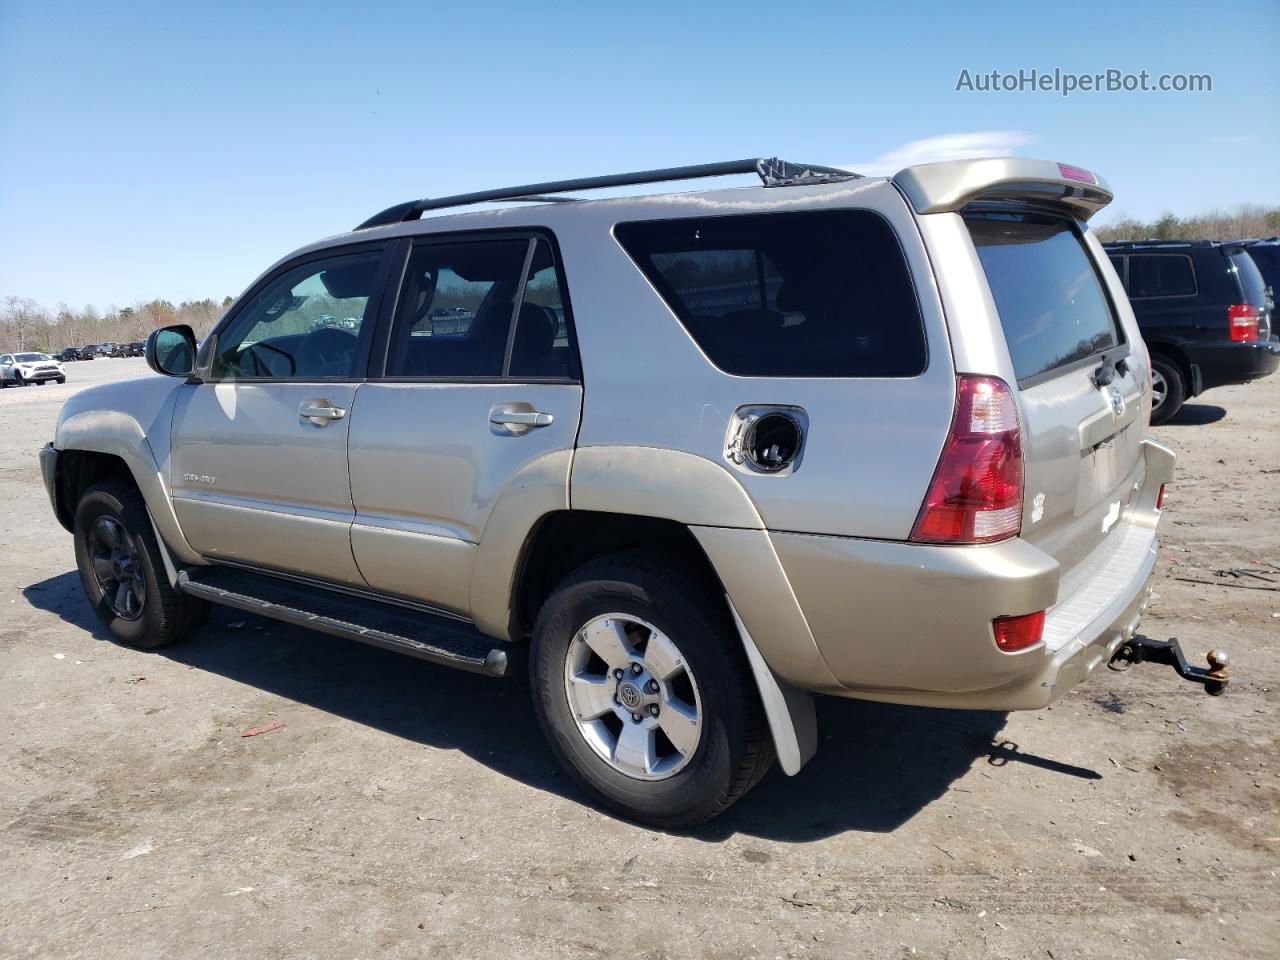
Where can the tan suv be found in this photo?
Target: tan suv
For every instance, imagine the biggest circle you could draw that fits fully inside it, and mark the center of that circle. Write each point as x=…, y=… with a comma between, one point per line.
x=706, y=453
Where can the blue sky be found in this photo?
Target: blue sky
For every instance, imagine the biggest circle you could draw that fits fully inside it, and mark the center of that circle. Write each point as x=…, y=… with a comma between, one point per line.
x=175, y=150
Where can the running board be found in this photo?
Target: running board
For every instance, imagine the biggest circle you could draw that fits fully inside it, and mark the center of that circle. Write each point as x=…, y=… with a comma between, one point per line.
x=438, y=639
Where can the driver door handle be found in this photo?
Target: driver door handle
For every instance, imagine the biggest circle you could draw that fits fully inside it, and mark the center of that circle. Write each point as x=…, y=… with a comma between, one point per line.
x=521, y=418
x=320, y=412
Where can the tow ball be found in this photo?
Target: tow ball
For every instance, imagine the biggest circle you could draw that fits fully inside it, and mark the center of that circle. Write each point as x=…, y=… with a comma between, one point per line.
x=1142, y=649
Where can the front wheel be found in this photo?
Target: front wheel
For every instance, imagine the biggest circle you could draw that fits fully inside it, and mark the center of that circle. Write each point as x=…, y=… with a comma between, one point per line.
x=19, y=380
x=62, y=379
x=642, y=688
x=122, y=572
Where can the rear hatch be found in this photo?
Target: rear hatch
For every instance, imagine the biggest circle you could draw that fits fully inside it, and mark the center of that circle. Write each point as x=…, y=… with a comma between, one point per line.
x=1080, y=399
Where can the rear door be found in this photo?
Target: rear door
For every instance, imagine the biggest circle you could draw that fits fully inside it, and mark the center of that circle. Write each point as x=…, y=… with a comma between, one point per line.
x=476, y=383
x=1083, y=435
x=259, y=455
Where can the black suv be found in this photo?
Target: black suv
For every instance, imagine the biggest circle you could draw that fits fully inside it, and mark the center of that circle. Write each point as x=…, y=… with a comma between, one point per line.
x=1204, y=312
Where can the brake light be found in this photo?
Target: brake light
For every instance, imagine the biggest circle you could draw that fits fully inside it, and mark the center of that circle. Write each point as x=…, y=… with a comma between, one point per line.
x=1160, y=498
x=976, y=492
x=1069, y=172
x=1018, y=633
x=1242, y=322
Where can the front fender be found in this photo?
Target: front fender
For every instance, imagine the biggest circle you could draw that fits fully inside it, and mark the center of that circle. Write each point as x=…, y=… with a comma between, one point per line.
x=131, y=420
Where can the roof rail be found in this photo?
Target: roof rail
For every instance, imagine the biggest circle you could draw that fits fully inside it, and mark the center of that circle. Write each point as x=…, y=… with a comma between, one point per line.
x=772, y=172
x=1160, y=243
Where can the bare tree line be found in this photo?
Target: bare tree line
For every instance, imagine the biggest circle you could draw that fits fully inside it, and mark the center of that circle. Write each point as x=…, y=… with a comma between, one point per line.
x=1250, y=220
x=26, y=325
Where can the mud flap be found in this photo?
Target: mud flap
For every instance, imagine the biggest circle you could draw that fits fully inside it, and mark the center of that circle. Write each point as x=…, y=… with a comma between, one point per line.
x=793, y=722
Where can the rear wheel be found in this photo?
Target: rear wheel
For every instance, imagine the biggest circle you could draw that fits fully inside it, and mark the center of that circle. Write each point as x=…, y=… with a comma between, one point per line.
x=1168, y=389
x=643, y=690
x=122, y=572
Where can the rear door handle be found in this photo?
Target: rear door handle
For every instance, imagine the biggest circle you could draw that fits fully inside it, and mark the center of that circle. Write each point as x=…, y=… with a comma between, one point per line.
x=521, y=418
x=320, y=412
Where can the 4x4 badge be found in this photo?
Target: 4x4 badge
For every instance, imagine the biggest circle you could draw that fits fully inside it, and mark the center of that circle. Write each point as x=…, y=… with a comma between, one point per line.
x=1117, y=400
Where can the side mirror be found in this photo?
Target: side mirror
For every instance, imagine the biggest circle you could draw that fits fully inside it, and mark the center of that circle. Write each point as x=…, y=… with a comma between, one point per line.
x=172, y=350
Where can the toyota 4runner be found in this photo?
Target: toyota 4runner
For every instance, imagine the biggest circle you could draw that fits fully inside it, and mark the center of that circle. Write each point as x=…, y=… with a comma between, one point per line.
x=702, y=454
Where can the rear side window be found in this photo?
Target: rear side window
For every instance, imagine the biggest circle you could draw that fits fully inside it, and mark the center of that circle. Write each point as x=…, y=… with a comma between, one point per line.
x=1161, y=275
x=455, y=309
x=1051, y=302
x=788, y=294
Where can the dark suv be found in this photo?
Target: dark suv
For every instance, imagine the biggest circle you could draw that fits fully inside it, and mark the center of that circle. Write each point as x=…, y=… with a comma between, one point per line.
x=1266, y=254
x=1204, y=312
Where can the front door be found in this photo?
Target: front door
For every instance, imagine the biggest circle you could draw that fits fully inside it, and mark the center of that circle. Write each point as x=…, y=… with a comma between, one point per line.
x=259, y=464
x=480, y=390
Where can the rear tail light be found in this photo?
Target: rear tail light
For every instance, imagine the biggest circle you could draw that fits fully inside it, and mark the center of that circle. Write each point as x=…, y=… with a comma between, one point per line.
x=1017, y=633
x=976, y=493
x=1160, y=498
x=1242, y=322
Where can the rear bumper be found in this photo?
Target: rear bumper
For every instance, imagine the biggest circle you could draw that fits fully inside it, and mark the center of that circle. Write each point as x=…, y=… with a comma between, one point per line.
x=911, y=623
x=1227, y=363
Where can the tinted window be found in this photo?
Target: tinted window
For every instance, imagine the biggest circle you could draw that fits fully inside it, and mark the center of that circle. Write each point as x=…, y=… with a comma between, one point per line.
x=1118, y=264
x=1251, y=282
x=1048, y=294
x=455, y=309
x=304, y=324
x=1161, y=275
x=543, y=345
x=787, y=295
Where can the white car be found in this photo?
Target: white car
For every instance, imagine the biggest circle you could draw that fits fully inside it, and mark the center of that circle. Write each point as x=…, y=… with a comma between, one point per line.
x=22, y=368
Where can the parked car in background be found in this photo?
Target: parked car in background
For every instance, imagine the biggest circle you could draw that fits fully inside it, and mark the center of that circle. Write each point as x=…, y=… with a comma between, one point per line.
x=89, y=351
x=1204, y=313
x=20, y=369
x=1266, y=255
x=69, y=354
x=108, y=349
x=135, y=349
x=804, y=436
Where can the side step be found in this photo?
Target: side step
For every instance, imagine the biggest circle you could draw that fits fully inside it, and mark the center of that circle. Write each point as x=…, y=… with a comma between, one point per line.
x=438, y=639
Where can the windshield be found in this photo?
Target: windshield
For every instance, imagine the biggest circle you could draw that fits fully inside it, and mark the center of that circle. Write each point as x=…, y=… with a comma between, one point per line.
x=31, y=357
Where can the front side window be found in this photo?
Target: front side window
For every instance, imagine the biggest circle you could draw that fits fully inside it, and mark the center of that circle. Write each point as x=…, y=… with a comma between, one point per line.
x=1161, y=275
x=303, y=325
x=1050, y=299
x=787, y=294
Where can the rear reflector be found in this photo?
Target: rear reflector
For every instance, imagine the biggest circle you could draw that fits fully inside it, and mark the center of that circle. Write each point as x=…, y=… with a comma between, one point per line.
x=1018, y=633
x=1160, y=498
x=976, y=493
x=1069, y=172
x=1242, y=322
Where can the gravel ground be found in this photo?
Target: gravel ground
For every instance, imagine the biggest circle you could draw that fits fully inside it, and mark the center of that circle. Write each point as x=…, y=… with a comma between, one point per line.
x=405, y=810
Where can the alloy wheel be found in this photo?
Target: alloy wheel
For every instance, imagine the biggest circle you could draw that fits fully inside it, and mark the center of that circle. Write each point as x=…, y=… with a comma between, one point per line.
x=633, y=697
x=117, y=568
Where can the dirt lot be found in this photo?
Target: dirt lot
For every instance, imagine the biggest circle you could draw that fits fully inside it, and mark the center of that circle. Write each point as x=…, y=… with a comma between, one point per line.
x=406, y=810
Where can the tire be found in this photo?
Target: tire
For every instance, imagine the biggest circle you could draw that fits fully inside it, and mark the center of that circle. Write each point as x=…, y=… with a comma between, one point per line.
x=18, y=380
x=733, y=748
x=1175, y=389
x=163, y=615
x=62, y=379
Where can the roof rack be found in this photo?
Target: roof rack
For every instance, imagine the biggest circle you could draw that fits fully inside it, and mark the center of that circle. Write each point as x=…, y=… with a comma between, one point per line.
x=772, y=172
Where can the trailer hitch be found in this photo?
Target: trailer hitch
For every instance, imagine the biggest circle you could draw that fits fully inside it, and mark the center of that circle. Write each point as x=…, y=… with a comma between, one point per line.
x=1142, y=649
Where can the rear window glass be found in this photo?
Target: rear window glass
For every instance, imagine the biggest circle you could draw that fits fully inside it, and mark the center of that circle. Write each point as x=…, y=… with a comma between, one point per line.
x=1048, y=294
x=787, y=295
x=1161, y=275
x=1251, y=282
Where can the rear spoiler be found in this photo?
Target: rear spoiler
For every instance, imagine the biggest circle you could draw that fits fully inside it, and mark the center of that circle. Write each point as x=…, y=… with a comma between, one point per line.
x=949, y=186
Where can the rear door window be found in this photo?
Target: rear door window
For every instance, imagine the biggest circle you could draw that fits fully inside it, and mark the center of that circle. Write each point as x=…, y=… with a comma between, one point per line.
x=1252, y=285
x=1161, y=275
x=789, y=294
x=1051, y=301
